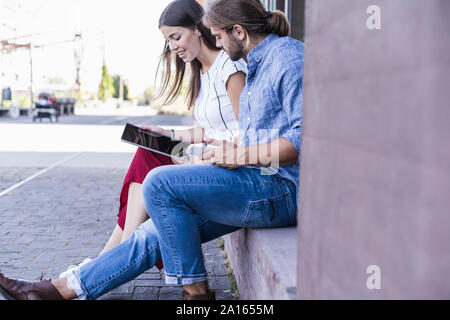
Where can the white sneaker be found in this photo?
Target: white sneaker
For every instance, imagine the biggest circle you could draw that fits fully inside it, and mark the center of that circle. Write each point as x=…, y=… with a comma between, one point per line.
x=71, y=267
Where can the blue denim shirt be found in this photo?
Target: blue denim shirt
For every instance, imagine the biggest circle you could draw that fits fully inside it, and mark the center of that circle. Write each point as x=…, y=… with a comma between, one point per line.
x=272, y=97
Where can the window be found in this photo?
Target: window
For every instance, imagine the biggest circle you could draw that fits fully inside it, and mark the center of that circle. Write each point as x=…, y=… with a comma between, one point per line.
x=282, y=5
x=270, y=4
x=288, y=9
x=295, y=12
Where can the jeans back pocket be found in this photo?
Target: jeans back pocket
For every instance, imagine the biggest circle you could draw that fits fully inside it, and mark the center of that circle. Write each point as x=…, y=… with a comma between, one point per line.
x=271, y=212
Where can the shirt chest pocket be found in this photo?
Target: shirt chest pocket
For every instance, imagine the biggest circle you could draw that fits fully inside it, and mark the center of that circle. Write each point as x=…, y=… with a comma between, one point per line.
x=264, y=104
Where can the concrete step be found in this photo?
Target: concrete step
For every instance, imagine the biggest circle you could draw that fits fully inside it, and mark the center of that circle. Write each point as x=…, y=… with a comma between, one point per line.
x=264, y=262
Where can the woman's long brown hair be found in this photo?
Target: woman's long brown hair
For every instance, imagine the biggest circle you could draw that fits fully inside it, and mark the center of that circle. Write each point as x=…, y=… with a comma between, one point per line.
x=188, y=14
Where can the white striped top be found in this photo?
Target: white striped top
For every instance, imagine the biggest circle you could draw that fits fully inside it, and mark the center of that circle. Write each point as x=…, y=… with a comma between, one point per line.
x=213, y=110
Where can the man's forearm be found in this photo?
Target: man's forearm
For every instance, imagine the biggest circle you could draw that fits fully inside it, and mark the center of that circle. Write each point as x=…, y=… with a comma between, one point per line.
x=280, y=152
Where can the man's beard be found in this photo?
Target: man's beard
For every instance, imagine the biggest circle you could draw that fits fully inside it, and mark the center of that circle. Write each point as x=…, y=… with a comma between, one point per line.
x=236, y=50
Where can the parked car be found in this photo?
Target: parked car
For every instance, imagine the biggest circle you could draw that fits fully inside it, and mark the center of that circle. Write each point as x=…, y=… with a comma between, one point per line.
x=45, y=107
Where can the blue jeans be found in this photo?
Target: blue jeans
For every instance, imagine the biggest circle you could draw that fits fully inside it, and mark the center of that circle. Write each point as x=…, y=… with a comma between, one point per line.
x=129, y=259
x=175, y=196
x=238, y=198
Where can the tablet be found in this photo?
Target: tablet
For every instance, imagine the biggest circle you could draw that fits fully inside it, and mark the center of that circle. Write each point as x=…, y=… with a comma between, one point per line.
x=155, y=142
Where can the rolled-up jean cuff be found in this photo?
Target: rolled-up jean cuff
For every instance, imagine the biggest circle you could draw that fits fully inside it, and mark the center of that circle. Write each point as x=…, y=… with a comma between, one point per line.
x=183, y=280
x=73, y=278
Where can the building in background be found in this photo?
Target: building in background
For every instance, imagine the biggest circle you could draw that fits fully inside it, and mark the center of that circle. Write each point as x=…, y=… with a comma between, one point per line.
x=294, y=10
x=373, y=215
x=265, y=261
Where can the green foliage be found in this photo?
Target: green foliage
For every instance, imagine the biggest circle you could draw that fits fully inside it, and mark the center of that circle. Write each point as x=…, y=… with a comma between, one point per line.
x=233, y=284
x=106, y=89
x=148, y=95
x=6, y=103
x=24, y=101
x=117, y=88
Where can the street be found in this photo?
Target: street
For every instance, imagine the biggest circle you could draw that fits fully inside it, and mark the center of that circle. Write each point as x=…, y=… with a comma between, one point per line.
x=59, y=197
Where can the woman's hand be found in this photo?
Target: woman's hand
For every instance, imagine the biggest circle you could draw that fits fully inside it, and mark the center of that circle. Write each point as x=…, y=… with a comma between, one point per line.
x=193, y=159
x=156, y=129
x=176, y=161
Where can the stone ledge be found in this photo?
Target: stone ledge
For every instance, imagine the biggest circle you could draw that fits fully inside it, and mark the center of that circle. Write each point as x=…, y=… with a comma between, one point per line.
x=264, y=262
x=7, y=111
x=4, y=111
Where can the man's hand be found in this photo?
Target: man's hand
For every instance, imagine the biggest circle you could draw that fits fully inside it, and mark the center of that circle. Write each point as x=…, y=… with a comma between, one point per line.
x=225, y=155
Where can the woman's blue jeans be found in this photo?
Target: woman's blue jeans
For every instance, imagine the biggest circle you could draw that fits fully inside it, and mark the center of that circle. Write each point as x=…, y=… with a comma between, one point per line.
x=188, y=205
x=129, y=259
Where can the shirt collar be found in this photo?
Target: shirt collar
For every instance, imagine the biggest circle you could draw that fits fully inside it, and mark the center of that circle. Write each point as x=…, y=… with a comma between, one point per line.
x=255, y=55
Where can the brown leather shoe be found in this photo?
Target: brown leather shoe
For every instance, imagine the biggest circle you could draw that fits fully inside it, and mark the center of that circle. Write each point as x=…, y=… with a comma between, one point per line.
x=25, y=290
x=211, y=295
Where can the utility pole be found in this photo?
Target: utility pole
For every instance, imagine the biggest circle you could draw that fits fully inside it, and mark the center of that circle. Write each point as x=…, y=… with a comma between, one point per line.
x=121, y=88
x=9, y=47
x=78, y=52
x=31, y=75
x=9, y=10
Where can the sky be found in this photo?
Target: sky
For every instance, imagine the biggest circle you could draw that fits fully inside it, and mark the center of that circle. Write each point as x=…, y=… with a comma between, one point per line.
x=125, y=32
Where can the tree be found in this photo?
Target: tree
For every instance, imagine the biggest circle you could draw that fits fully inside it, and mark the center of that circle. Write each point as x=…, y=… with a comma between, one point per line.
x=117, y=88
x=106, y=89
x=148, y=95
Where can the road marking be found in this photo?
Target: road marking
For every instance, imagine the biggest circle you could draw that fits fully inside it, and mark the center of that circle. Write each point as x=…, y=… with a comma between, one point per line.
x=37, y=174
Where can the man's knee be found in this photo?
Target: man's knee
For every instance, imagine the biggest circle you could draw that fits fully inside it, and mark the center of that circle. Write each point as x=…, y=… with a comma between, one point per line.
x=156, y=180
x=153, y=179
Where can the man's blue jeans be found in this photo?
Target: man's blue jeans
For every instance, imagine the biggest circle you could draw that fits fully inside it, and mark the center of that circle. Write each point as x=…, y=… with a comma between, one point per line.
x=193, y=204
x=175, y=195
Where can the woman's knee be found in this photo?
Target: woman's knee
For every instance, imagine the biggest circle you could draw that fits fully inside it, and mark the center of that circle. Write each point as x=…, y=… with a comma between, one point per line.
x=146, y=236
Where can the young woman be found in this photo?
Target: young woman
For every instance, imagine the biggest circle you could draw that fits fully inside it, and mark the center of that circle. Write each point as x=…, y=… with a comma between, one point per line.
x=215, y=85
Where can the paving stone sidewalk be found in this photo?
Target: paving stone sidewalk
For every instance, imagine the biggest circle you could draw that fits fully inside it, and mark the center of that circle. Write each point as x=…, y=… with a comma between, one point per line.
x=66, y=215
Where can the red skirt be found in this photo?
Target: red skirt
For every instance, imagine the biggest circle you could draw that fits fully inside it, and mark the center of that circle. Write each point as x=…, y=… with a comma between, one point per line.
x=143, y=161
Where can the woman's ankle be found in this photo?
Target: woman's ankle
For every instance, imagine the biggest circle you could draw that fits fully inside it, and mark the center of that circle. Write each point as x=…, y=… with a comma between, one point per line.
x=64, y=289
